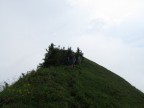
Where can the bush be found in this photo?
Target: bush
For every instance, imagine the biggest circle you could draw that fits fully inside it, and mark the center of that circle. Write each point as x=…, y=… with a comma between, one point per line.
x=56, y=56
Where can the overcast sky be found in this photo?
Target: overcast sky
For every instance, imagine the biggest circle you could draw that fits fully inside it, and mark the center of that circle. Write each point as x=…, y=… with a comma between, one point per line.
x=109, y=32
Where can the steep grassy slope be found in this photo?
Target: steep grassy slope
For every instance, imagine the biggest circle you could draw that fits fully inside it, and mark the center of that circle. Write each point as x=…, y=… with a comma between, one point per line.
x=86, y=86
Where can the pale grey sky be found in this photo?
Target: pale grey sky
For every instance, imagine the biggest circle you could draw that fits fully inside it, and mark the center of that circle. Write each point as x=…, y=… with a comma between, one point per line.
x=110, y=32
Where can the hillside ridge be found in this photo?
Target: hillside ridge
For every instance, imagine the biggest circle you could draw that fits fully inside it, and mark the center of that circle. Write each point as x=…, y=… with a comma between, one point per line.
x=88, y=85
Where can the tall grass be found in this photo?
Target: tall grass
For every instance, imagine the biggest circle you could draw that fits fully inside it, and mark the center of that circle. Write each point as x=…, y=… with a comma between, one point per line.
x=88, y=85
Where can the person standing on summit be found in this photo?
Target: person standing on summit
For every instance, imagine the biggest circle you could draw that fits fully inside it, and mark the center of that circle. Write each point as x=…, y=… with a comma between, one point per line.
x=72, y=59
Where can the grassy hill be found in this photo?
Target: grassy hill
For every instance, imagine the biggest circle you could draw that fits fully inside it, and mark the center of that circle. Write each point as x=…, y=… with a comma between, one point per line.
x=88, y=85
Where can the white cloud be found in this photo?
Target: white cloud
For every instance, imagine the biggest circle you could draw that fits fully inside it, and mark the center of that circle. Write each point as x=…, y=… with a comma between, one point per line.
x=112, y=11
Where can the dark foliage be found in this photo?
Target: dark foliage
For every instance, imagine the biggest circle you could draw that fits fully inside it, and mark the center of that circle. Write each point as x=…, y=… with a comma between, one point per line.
x=56, y=56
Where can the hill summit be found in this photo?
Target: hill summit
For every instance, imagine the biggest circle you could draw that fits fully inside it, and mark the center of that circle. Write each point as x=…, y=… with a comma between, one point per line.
x=87, y=85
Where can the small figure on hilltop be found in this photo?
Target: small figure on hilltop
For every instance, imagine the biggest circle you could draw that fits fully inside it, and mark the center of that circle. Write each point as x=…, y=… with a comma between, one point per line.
x=72, y=59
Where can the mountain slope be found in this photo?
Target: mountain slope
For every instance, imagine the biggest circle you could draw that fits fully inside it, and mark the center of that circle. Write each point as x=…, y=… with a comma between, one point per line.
x=86, y=86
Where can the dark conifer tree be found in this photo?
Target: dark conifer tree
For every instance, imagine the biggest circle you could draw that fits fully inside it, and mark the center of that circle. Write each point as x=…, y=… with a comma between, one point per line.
x=79, y=56
x=55, y=56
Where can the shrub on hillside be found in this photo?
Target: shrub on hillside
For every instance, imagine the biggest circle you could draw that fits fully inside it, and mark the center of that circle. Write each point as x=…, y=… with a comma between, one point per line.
x=56, y=56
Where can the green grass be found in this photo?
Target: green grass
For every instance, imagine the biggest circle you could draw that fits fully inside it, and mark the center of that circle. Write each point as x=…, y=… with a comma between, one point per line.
x=86, y=86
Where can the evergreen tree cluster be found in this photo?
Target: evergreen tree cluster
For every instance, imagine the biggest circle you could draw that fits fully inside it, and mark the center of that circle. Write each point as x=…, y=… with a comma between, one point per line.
x=56, y=56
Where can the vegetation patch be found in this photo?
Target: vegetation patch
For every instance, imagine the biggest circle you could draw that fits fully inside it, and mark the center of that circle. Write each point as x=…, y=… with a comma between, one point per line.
x=87, y=85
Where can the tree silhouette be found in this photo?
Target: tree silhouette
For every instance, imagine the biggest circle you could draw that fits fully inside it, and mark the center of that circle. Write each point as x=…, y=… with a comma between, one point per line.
x=55, y=56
